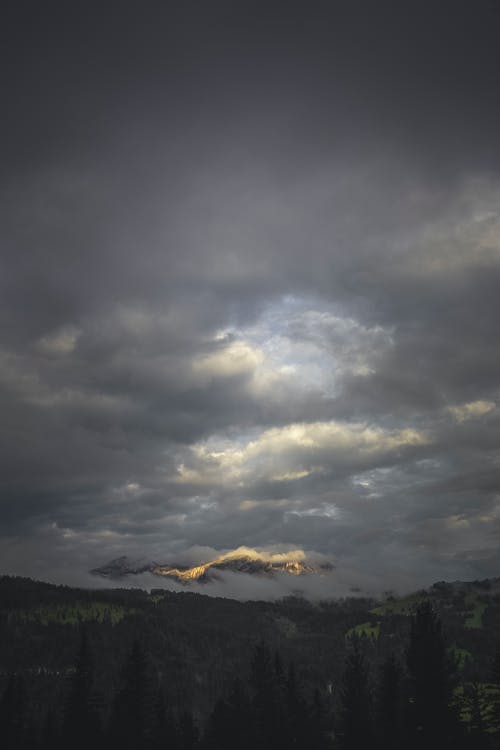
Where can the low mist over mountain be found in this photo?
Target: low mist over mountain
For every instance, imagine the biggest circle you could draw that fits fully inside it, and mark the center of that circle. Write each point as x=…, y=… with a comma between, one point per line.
x=240, y=560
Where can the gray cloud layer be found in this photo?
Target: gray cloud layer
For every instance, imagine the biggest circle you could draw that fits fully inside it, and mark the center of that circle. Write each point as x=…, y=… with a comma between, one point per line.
x=249, y=286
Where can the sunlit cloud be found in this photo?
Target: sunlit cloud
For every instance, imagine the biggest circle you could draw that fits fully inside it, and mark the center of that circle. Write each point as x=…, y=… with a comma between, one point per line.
x=294, y=452
x=472, y=410
x=234, y=358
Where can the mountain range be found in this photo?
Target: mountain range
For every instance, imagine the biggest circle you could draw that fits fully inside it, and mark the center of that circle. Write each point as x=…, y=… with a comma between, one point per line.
x=241, y=560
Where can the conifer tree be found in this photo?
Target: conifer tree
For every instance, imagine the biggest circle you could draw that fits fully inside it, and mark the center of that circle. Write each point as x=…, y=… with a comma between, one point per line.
x=279, y=672
x=81, y=723
x=495, y=696
x=355, y=698
x=265, y=704
x=131, y=707
x=432, y=724
x=478, y=739
x=229, y=724
x=495, y=667
x=218, y=735
x=297, y=719
x=389, y=706
x=317, y=722
x=12, y=714
x=188, y=732
x=239, y=716
x=163, y=730
x=49, y=738
x=29, y=739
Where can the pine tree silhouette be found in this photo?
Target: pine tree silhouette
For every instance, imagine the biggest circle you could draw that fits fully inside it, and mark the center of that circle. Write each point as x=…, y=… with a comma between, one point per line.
x=355, y=698
x=188, y=732
x=495, y=667
x=49, y=737
x=495, y=698
x=296, y=713
x=81, y=723
x=477, y=734
x=265, y=702
x=13, y=714
x=131, y=707
x=239, y=716
x=163, y=729
x=218, y=735
x=389, y=707
x=317, y=722
x=432, y=722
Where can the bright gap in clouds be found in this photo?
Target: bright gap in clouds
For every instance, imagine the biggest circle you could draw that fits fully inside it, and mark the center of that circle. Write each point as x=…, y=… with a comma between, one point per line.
x=298, y=350
x=296, y=341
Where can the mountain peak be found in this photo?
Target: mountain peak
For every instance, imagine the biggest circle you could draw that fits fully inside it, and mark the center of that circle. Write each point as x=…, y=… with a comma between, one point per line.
x=240, y=560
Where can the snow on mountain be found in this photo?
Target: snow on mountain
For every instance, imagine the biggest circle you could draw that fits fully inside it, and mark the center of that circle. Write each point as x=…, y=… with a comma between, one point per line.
x=240, y=560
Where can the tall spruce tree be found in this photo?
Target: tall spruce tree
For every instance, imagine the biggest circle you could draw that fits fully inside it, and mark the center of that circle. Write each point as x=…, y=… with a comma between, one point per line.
x=318, y=722
x=229, y=724
x=265, y=700
x=131, y=710
x=49, y=736
x=218, y=734
x=431, y=720
x=81, y=728
x=495, y=667
x=163, y=732
x=495, y=696
x=13, y=714
x=239, y=716
x=477, y=734
x=355, y=699
x=188, y=732
x=389, y=708
x=296, y=713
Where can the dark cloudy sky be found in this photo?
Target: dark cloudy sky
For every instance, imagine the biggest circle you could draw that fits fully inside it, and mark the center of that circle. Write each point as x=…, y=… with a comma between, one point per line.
x=250, y=284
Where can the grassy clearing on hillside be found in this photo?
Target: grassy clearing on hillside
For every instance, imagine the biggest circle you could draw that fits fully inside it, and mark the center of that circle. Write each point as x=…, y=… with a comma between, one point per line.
x=461, y=655
x=475, y=618
x=367, y=629
x=483, y=694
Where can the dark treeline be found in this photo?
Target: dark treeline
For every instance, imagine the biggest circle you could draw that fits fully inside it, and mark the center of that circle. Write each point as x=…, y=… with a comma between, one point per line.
x=408, y=701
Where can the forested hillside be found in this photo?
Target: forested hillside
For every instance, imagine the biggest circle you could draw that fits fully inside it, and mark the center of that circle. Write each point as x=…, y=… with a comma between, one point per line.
x=127, y=668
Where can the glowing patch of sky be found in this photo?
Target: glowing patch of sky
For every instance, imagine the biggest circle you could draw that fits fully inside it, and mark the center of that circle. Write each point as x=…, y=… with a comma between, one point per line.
x=311, y=342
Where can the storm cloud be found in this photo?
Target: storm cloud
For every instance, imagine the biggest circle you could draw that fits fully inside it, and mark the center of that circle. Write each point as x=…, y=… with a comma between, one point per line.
x=249, y=286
